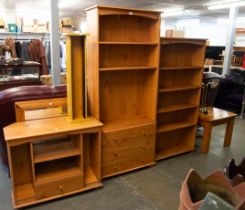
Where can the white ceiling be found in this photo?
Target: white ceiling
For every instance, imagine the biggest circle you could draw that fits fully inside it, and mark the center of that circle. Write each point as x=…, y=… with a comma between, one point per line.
x=76, y=7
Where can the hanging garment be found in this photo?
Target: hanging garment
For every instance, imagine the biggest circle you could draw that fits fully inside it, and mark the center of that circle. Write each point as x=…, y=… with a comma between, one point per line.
x=62, y=56
x=24, y=54
x=18, y=49
x=48, y=54
x=10, y=46
x=37, y=53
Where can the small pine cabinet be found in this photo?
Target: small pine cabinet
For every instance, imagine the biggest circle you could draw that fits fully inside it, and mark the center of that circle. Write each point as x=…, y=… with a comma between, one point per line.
x=123, y=53
x=179, y=88
x=52, y=158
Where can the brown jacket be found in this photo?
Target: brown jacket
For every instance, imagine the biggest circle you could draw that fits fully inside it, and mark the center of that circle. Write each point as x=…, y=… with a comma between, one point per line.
x=37, y=53
x=10, y=46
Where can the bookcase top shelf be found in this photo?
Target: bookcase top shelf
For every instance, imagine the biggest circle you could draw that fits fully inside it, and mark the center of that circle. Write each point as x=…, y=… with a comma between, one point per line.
x=122, y=68
x=174, y=40
x=121, y=8
x=180, y=88
x=128, y=43
x=180, y=68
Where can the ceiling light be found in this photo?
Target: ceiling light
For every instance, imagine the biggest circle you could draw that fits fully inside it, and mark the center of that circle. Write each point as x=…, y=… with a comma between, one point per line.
x=222, y=21
x=188, y=22
x=173, y=11
x=225, y=5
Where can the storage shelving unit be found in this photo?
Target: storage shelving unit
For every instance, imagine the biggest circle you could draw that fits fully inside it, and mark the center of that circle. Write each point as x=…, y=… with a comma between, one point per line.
x=180, y=77
x=123, y=54
x=52, y=158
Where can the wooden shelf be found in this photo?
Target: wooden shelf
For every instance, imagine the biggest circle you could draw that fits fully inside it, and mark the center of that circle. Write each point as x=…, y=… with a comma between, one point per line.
x=122, y=68
x=129, y=43
x=125, y=124
x=52, y=174
x=180, y=68
x=176, y=107
x=53, y=150
x=90, y=177
x=176, y=150
x=181, y=88
x=24, y=192
x=174, y=126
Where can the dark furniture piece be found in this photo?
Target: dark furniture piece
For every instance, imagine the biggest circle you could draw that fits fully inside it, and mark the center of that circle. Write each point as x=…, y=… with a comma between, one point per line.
x=212, y=90
x=15, y=75
x=230, y=95
x=9, y=96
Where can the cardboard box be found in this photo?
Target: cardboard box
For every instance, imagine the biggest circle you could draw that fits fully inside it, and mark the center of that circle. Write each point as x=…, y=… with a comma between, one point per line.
x=67, y=22
x=47, y=79
x=66, y=30
x=28, y=28
x=174, y=33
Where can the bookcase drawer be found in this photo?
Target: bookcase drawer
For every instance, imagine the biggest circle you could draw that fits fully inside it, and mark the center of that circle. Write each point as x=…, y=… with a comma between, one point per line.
x=127, y=149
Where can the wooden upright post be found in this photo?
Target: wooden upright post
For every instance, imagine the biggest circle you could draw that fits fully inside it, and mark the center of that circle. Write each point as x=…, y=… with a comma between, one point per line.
x=76, y=77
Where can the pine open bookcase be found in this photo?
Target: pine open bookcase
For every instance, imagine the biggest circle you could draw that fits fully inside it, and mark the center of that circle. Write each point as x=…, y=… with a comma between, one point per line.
x=179, y=88
x=123, y=53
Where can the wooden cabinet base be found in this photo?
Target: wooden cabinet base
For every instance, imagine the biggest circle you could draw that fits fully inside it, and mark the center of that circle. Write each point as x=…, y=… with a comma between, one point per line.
x=33, y=201
x=52, y=158
x=128, y=149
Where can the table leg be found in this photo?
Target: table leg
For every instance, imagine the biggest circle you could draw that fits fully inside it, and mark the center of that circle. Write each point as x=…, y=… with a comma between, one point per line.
x=206, y=137
x=228, y=132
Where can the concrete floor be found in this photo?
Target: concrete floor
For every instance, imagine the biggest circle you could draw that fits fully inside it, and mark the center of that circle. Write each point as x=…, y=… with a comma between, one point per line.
x=155, y=188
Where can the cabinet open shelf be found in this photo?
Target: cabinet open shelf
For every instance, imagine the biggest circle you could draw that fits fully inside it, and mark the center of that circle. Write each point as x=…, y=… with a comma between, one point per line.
x=24, y=192
x=53, y=150
x=177, y=107
x=176, y=150
x=123, y=68
x=128, y=43
x=58, y=169
x=175, y=142
x=180, y=88
x=174, y=126
x=90, y=177
x=125, y=124
x=170, y=68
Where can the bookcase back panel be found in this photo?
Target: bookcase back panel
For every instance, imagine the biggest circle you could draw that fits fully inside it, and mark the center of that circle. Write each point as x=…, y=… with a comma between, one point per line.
x=124, y=94
x=182, y=97
x=177, y=117
x=175, y=142
x=128, y=28
x=127, y=55
x=180, y=78
x=178, y=55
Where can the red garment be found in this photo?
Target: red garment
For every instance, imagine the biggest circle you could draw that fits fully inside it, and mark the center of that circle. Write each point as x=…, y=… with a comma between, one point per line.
x=37, y=53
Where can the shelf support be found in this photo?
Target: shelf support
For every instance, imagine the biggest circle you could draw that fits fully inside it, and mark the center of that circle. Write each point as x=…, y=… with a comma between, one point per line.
x=54, y=38
x=230, y=39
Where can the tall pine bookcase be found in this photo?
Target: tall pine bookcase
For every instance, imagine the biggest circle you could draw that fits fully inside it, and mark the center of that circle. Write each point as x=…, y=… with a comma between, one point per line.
x=179, y=89
x=122, y=59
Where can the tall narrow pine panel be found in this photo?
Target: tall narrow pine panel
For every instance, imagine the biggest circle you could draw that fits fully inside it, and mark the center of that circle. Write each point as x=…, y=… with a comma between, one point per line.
x=179, y=88
x=123, y=56
x=76, y=77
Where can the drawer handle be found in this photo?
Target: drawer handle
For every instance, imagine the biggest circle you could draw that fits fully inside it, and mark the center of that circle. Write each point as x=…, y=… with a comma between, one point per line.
x=115, y=139
x=115, y=168
x=115, y=155
x=143, y=148
x=144, y=134
x=61, y=188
